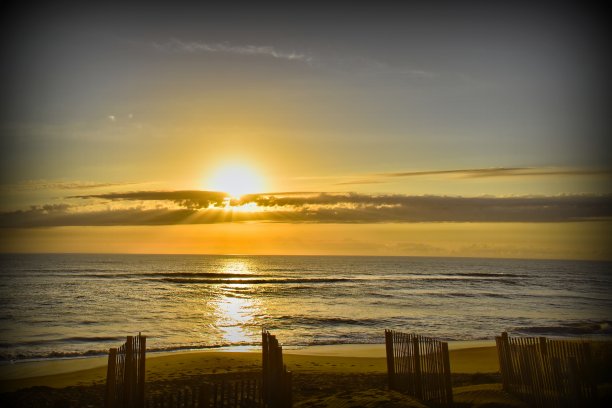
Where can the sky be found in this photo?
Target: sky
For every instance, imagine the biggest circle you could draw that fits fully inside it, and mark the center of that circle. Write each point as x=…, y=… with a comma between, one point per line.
x=420, y=129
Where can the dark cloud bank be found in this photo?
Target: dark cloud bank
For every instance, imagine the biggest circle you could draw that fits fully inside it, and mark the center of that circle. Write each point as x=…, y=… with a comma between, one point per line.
x=206, y=207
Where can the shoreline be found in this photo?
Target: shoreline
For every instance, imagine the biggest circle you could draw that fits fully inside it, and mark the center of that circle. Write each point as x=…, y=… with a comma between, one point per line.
x=374, y=350
x=466, y=357
x=347, y=350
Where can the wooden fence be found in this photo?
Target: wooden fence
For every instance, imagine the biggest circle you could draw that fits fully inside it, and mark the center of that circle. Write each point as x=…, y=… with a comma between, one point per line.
x=125, y=376
x=547, y=373
x=276, y=380
x=270, y=390
x=419, y=366
x=244, y=393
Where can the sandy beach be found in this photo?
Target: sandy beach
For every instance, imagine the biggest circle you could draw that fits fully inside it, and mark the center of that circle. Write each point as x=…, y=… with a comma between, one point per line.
x=322, y=374
x=160, y=366
x=333, y=376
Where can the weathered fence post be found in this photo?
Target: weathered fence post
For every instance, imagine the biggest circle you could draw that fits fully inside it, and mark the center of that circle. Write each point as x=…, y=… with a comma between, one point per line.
x=111, y=382
x=125, y=375
x=128, y=386
x=505, y=360
x=390, y=358
x=265, y=364
x=140, y=379
x=447, y=374
x=276, y=380
x=418, y=380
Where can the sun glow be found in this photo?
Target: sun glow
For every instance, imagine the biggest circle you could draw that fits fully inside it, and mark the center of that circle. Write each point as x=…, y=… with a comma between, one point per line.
x=236, y=180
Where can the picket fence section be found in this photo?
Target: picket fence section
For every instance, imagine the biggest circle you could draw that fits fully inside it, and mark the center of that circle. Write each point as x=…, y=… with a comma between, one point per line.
x=276, y=380
x=244, y=393
x=271, y=389
x=125, y=376
x=547, y=373
x=419, y=366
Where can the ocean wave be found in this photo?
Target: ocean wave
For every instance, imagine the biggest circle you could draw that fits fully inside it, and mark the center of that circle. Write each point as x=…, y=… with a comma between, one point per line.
x=475, y=295
x=487, y=275
x=566, y=329
x=88, y=339
x=52, y=355
x=258, y=279
x=255, y=281
x=285, y=269
x=320, y=322
x=149, y=275
x=204, y=275
x=65, y=340
x=18, y=356
x=451, y=278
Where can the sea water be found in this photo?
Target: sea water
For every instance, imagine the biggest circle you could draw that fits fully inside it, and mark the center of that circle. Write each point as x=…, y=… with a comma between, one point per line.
x=55, y=305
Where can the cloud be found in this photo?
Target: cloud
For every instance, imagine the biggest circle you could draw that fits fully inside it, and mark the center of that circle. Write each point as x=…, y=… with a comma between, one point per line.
x=482, y=173
x=361, y=208
x=191, y=199
x=205, y=207
x=507, y=172
x=343, y=64
x=195, y=47
x=35, y=185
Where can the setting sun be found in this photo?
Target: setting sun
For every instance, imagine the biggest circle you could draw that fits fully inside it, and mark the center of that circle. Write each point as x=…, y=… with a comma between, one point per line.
x=236, y=180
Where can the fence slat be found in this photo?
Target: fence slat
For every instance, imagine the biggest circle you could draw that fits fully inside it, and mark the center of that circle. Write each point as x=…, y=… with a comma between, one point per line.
x=419, y=366
x=390, y=357
x=448, y=385
x=111, y=383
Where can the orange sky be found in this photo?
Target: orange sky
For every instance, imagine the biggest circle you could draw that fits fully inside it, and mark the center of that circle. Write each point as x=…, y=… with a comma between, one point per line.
x=401, y=130
x=505, y=240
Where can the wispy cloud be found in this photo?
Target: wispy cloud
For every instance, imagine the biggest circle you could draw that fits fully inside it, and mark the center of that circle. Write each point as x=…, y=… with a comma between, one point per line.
x=195, y=47
x=481, y=173
x=506, y=172
x=60, y=185
x=337, y=62
x=198, y=207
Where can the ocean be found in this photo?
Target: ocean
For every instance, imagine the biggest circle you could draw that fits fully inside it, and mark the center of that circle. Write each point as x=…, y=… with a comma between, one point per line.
x=64, y=305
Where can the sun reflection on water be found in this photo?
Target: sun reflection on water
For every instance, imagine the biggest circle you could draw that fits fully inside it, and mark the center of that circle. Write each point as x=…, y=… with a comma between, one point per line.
x=235, y=308
x=235, y=266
